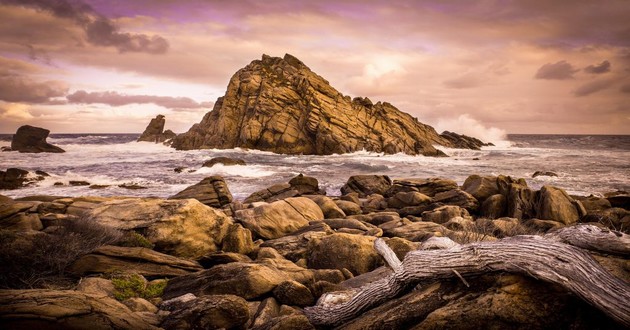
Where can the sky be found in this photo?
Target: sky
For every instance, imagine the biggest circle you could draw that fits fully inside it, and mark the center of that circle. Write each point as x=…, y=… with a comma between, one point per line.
x=483, y=68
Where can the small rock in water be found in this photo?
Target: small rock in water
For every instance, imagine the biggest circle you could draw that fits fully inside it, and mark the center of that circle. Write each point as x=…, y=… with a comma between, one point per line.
x=99, y=186
x=541, y=173
x=226, y=161
x=131, y=186
x=58, y=184
x=78, y=183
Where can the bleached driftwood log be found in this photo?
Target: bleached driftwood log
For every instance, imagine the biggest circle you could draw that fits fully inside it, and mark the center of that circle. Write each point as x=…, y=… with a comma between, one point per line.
x=548, y=259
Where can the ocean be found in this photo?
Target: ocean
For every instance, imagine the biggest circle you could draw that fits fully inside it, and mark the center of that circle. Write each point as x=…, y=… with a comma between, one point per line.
x=585, y=164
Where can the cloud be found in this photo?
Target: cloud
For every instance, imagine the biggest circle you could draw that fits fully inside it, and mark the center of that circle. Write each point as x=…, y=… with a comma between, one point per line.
x=593, y=87
x=116, y=99
x=468, y=80
x=21, y=89
x=100, y=31
x=599, y=68
x=15, y=112
x=561, y=70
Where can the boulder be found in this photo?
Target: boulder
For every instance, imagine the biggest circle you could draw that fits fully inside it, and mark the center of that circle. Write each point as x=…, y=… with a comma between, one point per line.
x=374, y=203
x=337, y=251
x=294, y=246
x=410, y=198
x=376, y=218
x=328, y=206
x=458, y=198
x=96, y=286
x=306, y=185
x=146, y=262
x=279, y=218
x=594, y=204
x=293, y=293
x=22, y=222
x=429, y=187
x=68, y=309
x=246, y=280
x=493, y=207
x=444, y=213
x=297, y=186
x=32, y=139
x=543, y=173
x=614, y=218
x=481, y=187
x=209, y=312
x=155, y=131
x=225, y=161
x=220, y=258
x=521, y=201
x=212, y=191
x=263, y=313
x=555, y=204
x=15, y=178
x=9, y=208
x=238, y=240
x=280, y=105
x=415, y=231
x=365, y=185
x=184, y=228
x=619, y=199
x=348, y=208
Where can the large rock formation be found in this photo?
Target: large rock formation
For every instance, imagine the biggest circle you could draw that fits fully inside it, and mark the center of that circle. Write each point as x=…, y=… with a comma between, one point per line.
x=280, y=105
x=33, y=140
x=155, y=131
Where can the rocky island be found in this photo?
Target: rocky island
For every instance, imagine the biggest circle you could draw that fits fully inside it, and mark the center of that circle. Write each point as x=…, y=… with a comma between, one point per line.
x=32, y=139
x=280, y=105
x=155, y=131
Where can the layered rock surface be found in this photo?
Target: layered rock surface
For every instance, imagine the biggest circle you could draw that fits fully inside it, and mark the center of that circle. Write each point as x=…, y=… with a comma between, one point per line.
x=280, y=105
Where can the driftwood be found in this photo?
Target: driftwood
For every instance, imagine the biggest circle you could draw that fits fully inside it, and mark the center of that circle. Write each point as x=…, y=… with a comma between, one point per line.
x=552, y=258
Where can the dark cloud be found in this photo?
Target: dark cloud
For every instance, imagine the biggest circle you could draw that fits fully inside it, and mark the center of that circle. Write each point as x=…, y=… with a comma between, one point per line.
x=15, y=88
x=561, y=70
x=592, y=87
x=599, y=68
x=100, y=30
x=116, y=99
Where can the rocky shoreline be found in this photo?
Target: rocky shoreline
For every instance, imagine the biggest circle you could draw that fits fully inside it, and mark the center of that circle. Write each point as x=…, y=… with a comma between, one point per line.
x=202, y=259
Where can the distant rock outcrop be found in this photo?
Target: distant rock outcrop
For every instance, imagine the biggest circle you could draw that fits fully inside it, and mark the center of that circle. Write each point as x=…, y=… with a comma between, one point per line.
x=32, y=139
x=155, y=131
x=464, y=141
x=280, y=105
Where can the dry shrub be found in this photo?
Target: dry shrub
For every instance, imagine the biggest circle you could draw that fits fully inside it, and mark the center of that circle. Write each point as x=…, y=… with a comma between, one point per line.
x=41, y=260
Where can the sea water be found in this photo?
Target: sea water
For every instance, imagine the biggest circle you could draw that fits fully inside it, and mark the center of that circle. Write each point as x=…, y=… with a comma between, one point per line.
x=585, y=164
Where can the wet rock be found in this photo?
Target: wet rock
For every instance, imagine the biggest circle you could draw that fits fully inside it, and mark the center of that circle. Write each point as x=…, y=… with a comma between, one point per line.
x=212, y=191
x=77, y=183
x=365, y=185
x=464, y=141
x=280, y=218
x=14, y=178
x=543, y=173
x=130, y=186
x=30, y=139
x=225, y=161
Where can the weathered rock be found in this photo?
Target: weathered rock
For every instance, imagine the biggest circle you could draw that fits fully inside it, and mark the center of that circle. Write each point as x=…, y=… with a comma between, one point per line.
x=294, y=246
x=220, y=258
x=183, y=228
x=415, y=231
x=348, y=208
x=329, y=207
x=459, y=198
x=22, y=222
x=556, y=204
x=245, y=280
x=266, y=311
x=348, y=223
x=481, y=187
x=54, y=309
x=542, y=226
x=280, y=105
x=353, y=252
x=401, y=246
x=96, y=286
x=429, y=187
x=410, y=198
x=614, y=218
x=305, y=185
x=289, y=322
x=377, y=218
x=594, y=203
x=209, y=312
x=365, y=185
x=15, y=178
x=212, y=191
x=280, y=218
x=238, y=240
x=619, y=199
x=374, y=203
x=10, y=208
x=297, y=186
x=444, y=213
x=225, y=161
x=543, y=173
x=521, y=201
x=138, y=260
x=293, y=293
x=155, y=131
x=464, y=141
x=141, y=305
x=32, y=139
x=77, y=183
x=459, y=224
x=493, y=207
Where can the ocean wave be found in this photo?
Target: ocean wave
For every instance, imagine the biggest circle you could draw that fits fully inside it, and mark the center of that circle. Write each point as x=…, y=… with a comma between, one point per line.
x=247, y=171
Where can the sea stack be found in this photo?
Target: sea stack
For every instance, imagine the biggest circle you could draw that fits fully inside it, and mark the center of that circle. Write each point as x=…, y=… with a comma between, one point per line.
x=280, y=105
x=155, y=131
x=31, y=139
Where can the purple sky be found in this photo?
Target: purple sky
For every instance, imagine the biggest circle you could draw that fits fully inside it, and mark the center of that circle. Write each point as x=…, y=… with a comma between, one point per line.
x=482, y=68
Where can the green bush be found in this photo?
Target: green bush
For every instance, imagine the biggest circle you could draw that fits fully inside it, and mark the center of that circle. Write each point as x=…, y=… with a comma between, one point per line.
x=134, y=285
x=134, y=239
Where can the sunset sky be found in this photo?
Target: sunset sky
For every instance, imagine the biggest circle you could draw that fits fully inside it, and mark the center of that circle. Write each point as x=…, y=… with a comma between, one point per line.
x=477, y=67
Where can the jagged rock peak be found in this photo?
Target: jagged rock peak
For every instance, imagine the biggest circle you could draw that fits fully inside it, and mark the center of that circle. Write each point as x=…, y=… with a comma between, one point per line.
x=155, y=131
x=280, y=105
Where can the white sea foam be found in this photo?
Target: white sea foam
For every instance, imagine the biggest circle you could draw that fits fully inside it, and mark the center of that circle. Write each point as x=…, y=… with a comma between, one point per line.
x=247, y=171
